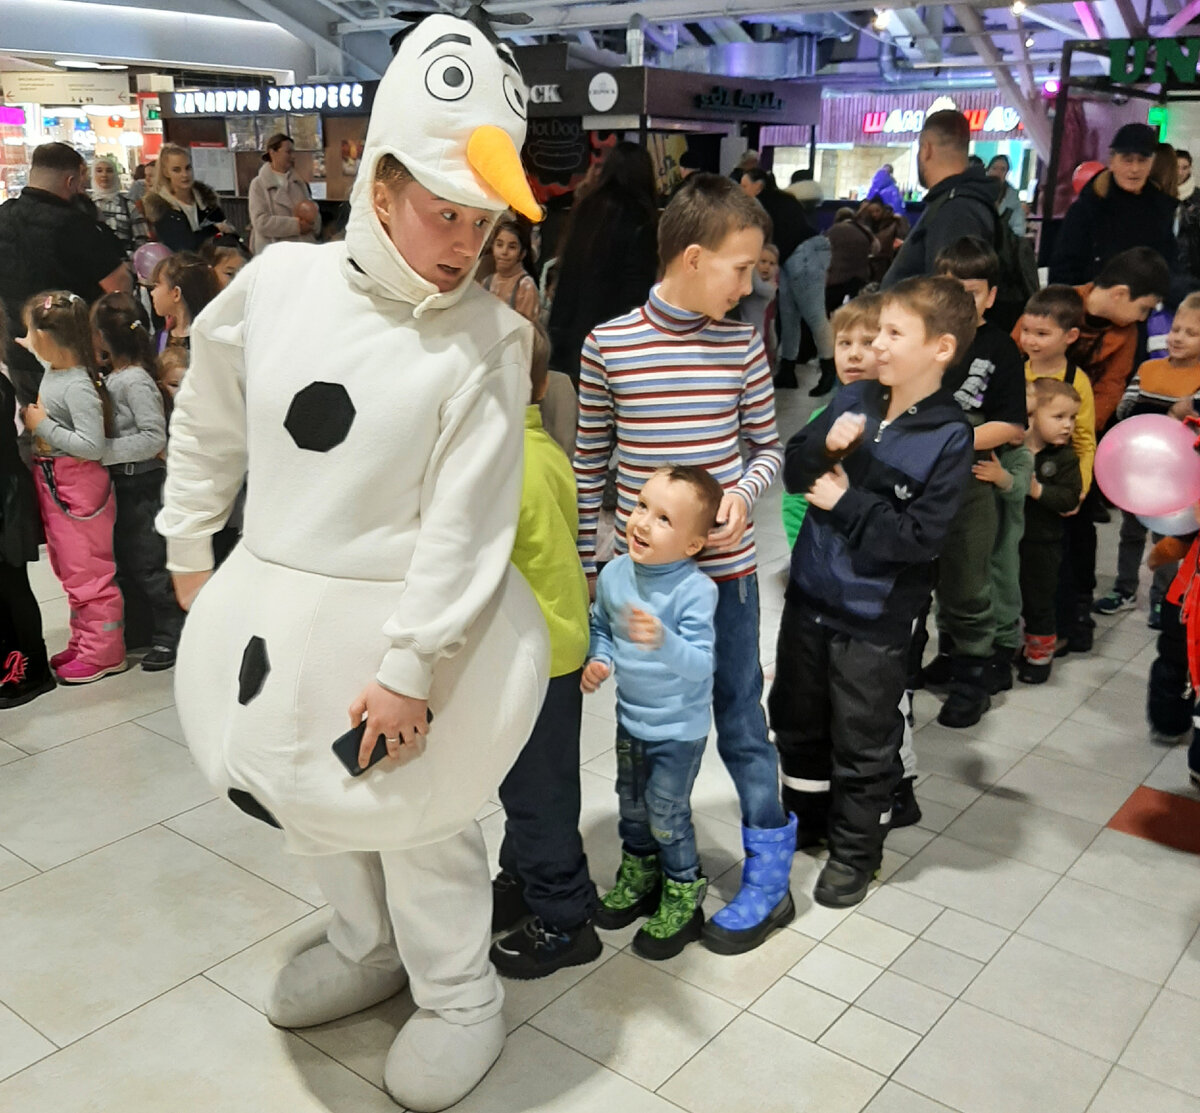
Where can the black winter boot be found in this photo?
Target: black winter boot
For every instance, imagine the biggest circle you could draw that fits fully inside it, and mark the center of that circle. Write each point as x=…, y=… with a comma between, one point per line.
x=785, y=375
x=998, y=675
x=968, y=698
x=906, y=812
x=826, y=381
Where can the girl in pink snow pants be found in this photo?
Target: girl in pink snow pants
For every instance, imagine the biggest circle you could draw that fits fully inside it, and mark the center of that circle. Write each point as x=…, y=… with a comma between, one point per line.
x=74, y=492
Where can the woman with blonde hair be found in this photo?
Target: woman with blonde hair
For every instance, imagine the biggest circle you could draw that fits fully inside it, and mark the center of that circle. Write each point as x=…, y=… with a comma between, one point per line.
x=185, y=213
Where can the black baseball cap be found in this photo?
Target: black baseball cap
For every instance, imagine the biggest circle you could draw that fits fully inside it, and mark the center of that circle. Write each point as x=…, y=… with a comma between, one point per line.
x=1135, y=139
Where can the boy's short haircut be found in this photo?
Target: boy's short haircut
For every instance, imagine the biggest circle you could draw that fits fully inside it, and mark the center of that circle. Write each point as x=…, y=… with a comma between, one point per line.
x=1190, y=304
x=944, y=306
x=967, y=259
x=1045, y=390
x=707, y=209
x=861, y=312
x=539, y=364
x=1062, y=304
x=1142, y=269
x=708, y=491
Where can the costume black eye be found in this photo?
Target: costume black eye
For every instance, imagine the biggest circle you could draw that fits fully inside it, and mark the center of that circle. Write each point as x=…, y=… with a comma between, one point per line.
x=515, y=96
x=449, y=78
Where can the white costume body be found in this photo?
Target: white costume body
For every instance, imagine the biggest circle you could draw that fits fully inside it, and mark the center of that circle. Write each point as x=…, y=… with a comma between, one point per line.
x=375, y=546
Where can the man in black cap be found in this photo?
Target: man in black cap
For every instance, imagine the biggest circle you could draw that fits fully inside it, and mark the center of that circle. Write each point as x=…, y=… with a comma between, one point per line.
x=1118, y=209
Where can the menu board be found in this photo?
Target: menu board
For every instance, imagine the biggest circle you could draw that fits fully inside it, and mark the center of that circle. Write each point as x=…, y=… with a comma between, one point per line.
x=306, y=132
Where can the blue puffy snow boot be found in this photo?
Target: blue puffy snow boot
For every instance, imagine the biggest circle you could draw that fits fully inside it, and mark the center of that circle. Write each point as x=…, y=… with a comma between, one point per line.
x=764, y=902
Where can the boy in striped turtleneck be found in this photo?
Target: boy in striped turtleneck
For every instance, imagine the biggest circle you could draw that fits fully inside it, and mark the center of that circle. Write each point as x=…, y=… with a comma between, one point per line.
x=674, y=382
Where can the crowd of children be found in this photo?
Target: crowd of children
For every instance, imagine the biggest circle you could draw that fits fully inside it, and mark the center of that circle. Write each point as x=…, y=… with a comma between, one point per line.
x=98, y=434
x=952, y=467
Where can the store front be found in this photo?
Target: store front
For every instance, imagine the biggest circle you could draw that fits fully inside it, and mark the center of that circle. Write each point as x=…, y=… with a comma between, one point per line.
x=227, y=131
x=857, y=134
x=93, y=111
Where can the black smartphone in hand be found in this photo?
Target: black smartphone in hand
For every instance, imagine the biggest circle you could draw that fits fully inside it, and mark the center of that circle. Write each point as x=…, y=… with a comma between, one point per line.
x=346, y=748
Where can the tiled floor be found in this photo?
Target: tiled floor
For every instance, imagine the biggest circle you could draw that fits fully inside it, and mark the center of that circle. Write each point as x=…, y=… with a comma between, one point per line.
x=1019, y=957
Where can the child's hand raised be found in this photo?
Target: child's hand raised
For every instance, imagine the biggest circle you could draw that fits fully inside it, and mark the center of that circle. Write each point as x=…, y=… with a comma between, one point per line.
x=827, y=489
x=595, y=673
x=845, y=432
x=644, y=629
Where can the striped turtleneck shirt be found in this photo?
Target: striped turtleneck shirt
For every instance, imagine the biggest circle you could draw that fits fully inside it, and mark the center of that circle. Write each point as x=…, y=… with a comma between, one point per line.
x=661, y=386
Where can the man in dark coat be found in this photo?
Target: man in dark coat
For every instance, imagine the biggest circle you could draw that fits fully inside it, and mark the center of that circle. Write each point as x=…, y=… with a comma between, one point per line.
x=961, y=200
x=49, y=241
x=1118, y=209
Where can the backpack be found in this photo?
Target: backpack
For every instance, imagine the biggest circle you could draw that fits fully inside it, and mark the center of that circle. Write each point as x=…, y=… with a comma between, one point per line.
x=1018, y=263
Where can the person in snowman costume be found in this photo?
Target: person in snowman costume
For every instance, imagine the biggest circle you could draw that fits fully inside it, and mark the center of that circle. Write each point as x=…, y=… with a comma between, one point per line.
x=374, y=396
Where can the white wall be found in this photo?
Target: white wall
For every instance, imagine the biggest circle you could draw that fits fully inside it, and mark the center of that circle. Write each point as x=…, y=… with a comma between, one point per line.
x=128, y=33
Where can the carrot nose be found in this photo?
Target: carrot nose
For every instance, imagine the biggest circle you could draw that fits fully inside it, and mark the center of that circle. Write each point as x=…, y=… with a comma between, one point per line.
x=493, y=156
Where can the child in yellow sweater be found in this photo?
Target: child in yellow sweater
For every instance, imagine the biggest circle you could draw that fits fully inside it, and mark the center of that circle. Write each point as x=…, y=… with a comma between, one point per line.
x=543, y=898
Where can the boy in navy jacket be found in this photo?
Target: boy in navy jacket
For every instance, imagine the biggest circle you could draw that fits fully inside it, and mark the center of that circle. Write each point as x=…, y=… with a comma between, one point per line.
x=884, y=468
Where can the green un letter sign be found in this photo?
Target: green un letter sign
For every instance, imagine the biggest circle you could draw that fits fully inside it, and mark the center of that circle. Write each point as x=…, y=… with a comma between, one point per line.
x=1128, y=60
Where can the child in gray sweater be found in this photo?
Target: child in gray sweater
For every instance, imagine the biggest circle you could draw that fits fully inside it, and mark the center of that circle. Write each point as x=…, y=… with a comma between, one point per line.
x=134, y=455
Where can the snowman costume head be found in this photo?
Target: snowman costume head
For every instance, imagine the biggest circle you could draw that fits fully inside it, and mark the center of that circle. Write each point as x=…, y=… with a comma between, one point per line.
x=451, y=109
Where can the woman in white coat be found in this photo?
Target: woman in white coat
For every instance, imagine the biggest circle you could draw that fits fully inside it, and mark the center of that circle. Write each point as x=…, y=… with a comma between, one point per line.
x=281, y=206
x=373, y=580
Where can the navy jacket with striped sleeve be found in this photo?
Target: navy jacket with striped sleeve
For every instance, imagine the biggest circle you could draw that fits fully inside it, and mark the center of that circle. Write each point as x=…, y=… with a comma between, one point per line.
x=866, y=566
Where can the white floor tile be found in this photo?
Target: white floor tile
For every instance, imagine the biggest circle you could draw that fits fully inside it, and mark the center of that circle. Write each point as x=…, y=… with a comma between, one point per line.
x=106, y=786
x=1126, y=754
x=935, y=816
x=936, y=967
x=1014, y=828
x=1186, y=976
x=869, y=1040
x=251, y=844
x=20, y=1045
x=1111, y=929
x=1067, y=789
x=835, y=972
x=799, y=1008
x=1080, y=1002
x=900, y=910
x=196, y=1048
x=909, y=840
x=13, y=869
x=164, y=722
x=1112, y=711
x=1171, y=774
x=1014, y=725
x=977, y=882
x=773, y=1069
x=1124, y=1092
x=945, y=790
x=635, y=1019
x=10, y=753
x=894, y=1098
x=868, y=939
x=105, y=933
x=70, y=712
x=980, y=1063
x=536, y=1074
x=904, y=1002
x=1142, y=870
x=965, y=935
x=963, y=757
x=1159, y=1049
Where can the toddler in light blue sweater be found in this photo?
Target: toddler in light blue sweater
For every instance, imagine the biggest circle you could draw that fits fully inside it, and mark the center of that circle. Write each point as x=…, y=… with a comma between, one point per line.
x=652, y=624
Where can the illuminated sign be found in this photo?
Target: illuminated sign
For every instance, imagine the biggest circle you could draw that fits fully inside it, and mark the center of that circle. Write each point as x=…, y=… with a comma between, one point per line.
x=721, y=97
x=1175, y=61
x=342, y=96
x=909, y=121
x=545, y=94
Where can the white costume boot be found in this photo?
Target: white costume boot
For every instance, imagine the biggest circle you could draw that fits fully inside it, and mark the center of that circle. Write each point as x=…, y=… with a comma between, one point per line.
x=435, y=1062
x=358, y=966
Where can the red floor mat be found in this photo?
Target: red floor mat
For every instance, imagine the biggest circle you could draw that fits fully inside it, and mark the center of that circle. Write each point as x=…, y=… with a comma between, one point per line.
x=1161, y=817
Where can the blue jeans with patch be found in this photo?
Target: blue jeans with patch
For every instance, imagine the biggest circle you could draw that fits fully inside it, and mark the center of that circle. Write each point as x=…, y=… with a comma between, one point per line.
x=654, y=793
x=742, y=741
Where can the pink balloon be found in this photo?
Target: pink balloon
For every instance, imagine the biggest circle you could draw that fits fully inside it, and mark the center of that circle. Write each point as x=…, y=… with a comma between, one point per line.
x=147, y=257
x=1148, y=465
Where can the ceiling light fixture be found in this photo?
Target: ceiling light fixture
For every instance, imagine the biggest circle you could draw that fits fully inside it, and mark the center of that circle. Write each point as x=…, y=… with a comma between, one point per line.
x=1018, y=6
x=881, y=19
x=86, y=64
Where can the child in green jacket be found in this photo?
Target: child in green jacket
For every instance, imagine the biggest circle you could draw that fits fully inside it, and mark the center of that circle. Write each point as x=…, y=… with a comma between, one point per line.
x=543, y=869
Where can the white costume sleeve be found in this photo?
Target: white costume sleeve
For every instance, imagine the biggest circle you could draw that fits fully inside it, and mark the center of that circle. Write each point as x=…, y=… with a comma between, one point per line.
x=206, y=453
x=470, y=501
